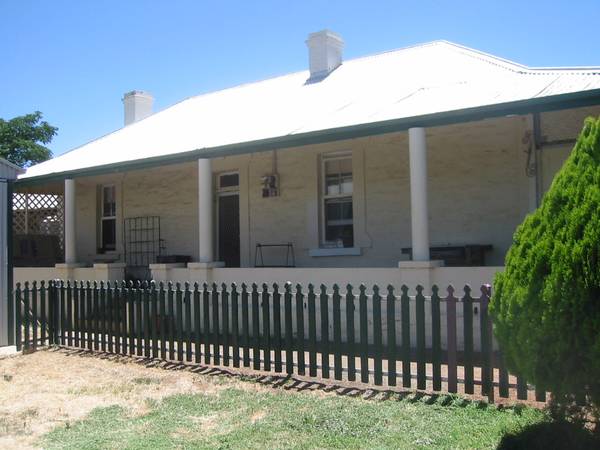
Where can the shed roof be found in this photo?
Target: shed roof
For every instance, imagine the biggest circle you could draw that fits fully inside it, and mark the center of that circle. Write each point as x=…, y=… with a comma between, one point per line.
x=392, y=90
x=9, y=170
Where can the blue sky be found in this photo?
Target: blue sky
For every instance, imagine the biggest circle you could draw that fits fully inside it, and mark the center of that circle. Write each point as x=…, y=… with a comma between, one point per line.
x=73, y=60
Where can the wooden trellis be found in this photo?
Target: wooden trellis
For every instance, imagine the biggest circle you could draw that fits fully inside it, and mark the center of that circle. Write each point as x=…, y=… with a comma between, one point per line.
x=35, y=214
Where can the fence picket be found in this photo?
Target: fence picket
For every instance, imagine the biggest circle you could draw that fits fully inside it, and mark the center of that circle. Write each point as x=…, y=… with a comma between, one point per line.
x=197, y=324
x=421, y=360
x=245, y=327
x=289, y=332
x=163, y=323
x=487, y=366
x=337, y=333
x=364, y=334
x=109, y=317
x=34, y=315
x=436, y=340
x=324, y=342
x=266, y=326
x=171, y=319
x=188, y=321
x=391, y=335
x=18, y=318
x=255, y=328
x=61, y=312
x=235, y=327
x=300, y=330
x=117, y=316
x=406, y=356
x=76, y=313
x=312, y=332
x=467, y=301
x=521, y=388
x=94, y=315
x=27, y=321
x=350, y=334
x=128, y=304
x=540, y=395
x=139, y=317
x=215, y=324
x=43, y=314
x=225, y=323
x=154, y=319
x=179, y=313
x=144, y=309
x=451, y=339
x=377, y=338
x=206, y=321
x=102, y=316
x=277, y=328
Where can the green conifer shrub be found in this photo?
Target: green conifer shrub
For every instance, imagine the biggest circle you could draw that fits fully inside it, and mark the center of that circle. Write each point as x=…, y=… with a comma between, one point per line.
x=546, y=303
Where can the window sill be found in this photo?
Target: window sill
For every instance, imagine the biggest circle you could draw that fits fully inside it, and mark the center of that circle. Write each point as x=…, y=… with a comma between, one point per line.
x=346, y=251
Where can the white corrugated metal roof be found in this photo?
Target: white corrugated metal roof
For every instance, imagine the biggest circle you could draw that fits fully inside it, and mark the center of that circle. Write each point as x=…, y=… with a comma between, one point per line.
x=425, y=79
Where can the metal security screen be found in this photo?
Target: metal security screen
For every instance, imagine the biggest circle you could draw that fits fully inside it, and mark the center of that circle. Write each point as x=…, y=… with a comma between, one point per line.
x=143, y=243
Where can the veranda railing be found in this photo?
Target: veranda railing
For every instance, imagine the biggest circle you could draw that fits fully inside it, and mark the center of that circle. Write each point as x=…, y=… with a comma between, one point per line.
x=439, y=341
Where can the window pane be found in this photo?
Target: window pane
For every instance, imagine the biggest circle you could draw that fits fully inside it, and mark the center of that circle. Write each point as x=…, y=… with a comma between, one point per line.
x=109, y=234
x=346, y=210
x=332, y=211
x=340, y=234
x=109, y=206
x=332, y=185
x=346, y=183
x=332, y=167
x=338, y=176
x=229, y=180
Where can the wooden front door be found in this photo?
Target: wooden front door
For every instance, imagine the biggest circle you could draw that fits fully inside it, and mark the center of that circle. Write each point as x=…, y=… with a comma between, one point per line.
x=229, y=229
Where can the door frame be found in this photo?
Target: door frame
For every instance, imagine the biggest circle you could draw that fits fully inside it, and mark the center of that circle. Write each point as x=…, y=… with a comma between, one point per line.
x=227, y=192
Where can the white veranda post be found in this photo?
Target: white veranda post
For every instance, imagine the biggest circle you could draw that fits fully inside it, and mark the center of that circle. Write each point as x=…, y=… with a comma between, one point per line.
x=70, y=229
x=205, y=211
x=417, y=145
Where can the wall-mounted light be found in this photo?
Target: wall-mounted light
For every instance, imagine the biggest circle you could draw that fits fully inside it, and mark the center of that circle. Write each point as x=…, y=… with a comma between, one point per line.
x=270, y=185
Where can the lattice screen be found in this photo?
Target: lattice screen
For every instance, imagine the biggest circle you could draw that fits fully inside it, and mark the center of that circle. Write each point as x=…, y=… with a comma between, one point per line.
x=39, y=214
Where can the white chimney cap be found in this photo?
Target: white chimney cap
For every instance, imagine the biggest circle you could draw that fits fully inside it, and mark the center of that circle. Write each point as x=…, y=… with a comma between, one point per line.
x=137, y=106
x=324, y=53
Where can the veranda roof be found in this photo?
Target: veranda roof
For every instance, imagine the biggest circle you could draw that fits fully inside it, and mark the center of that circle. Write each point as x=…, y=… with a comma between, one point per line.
x=430, y=84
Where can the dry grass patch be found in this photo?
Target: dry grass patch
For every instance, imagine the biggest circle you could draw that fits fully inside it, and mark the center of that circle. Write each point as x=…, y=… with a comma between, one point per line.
x=56, y=387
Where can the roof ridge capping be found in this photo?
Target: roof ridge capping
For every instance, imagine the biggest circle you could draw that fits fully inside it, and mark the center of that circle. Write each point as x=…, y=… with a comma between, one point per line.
x=507, y=63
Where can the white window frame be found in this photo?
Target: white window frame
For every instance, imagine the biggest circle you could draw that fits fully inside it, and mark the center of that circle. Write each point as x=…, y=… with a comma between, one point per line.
x=103, y=218
x=323, y=196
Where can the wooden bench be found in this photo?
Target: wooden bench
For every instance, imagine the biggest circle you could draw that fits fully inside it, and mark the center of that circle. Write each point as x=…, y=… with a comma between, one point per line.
x=457, y=255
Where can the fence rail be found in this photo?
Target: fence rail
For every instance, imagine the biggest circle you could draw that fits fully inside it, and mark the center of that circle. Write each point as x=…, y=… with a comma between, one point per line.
x=434, y=342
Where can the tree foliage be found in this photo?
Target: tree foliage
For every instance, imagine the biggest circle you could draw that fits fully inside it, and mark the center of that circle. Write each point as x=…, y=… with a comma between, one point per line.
x=546, y=304
x=22, y=139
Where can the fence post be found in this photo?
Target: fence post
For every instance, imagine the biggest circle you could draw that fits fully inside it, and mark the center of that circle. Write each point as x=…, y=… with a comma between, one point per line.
x=18, y=316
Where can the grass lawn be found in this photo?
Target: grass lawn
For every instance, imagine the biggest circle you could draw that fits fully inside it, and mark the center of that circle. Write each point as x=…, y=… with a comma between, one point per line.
x=236, y=418
x=68, y=399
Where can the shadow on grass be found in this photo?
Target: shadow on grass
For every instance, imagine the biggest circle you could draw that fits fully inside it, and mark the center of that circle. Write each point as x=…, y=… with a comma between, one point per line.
x=289, y=382
x=550, y=435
